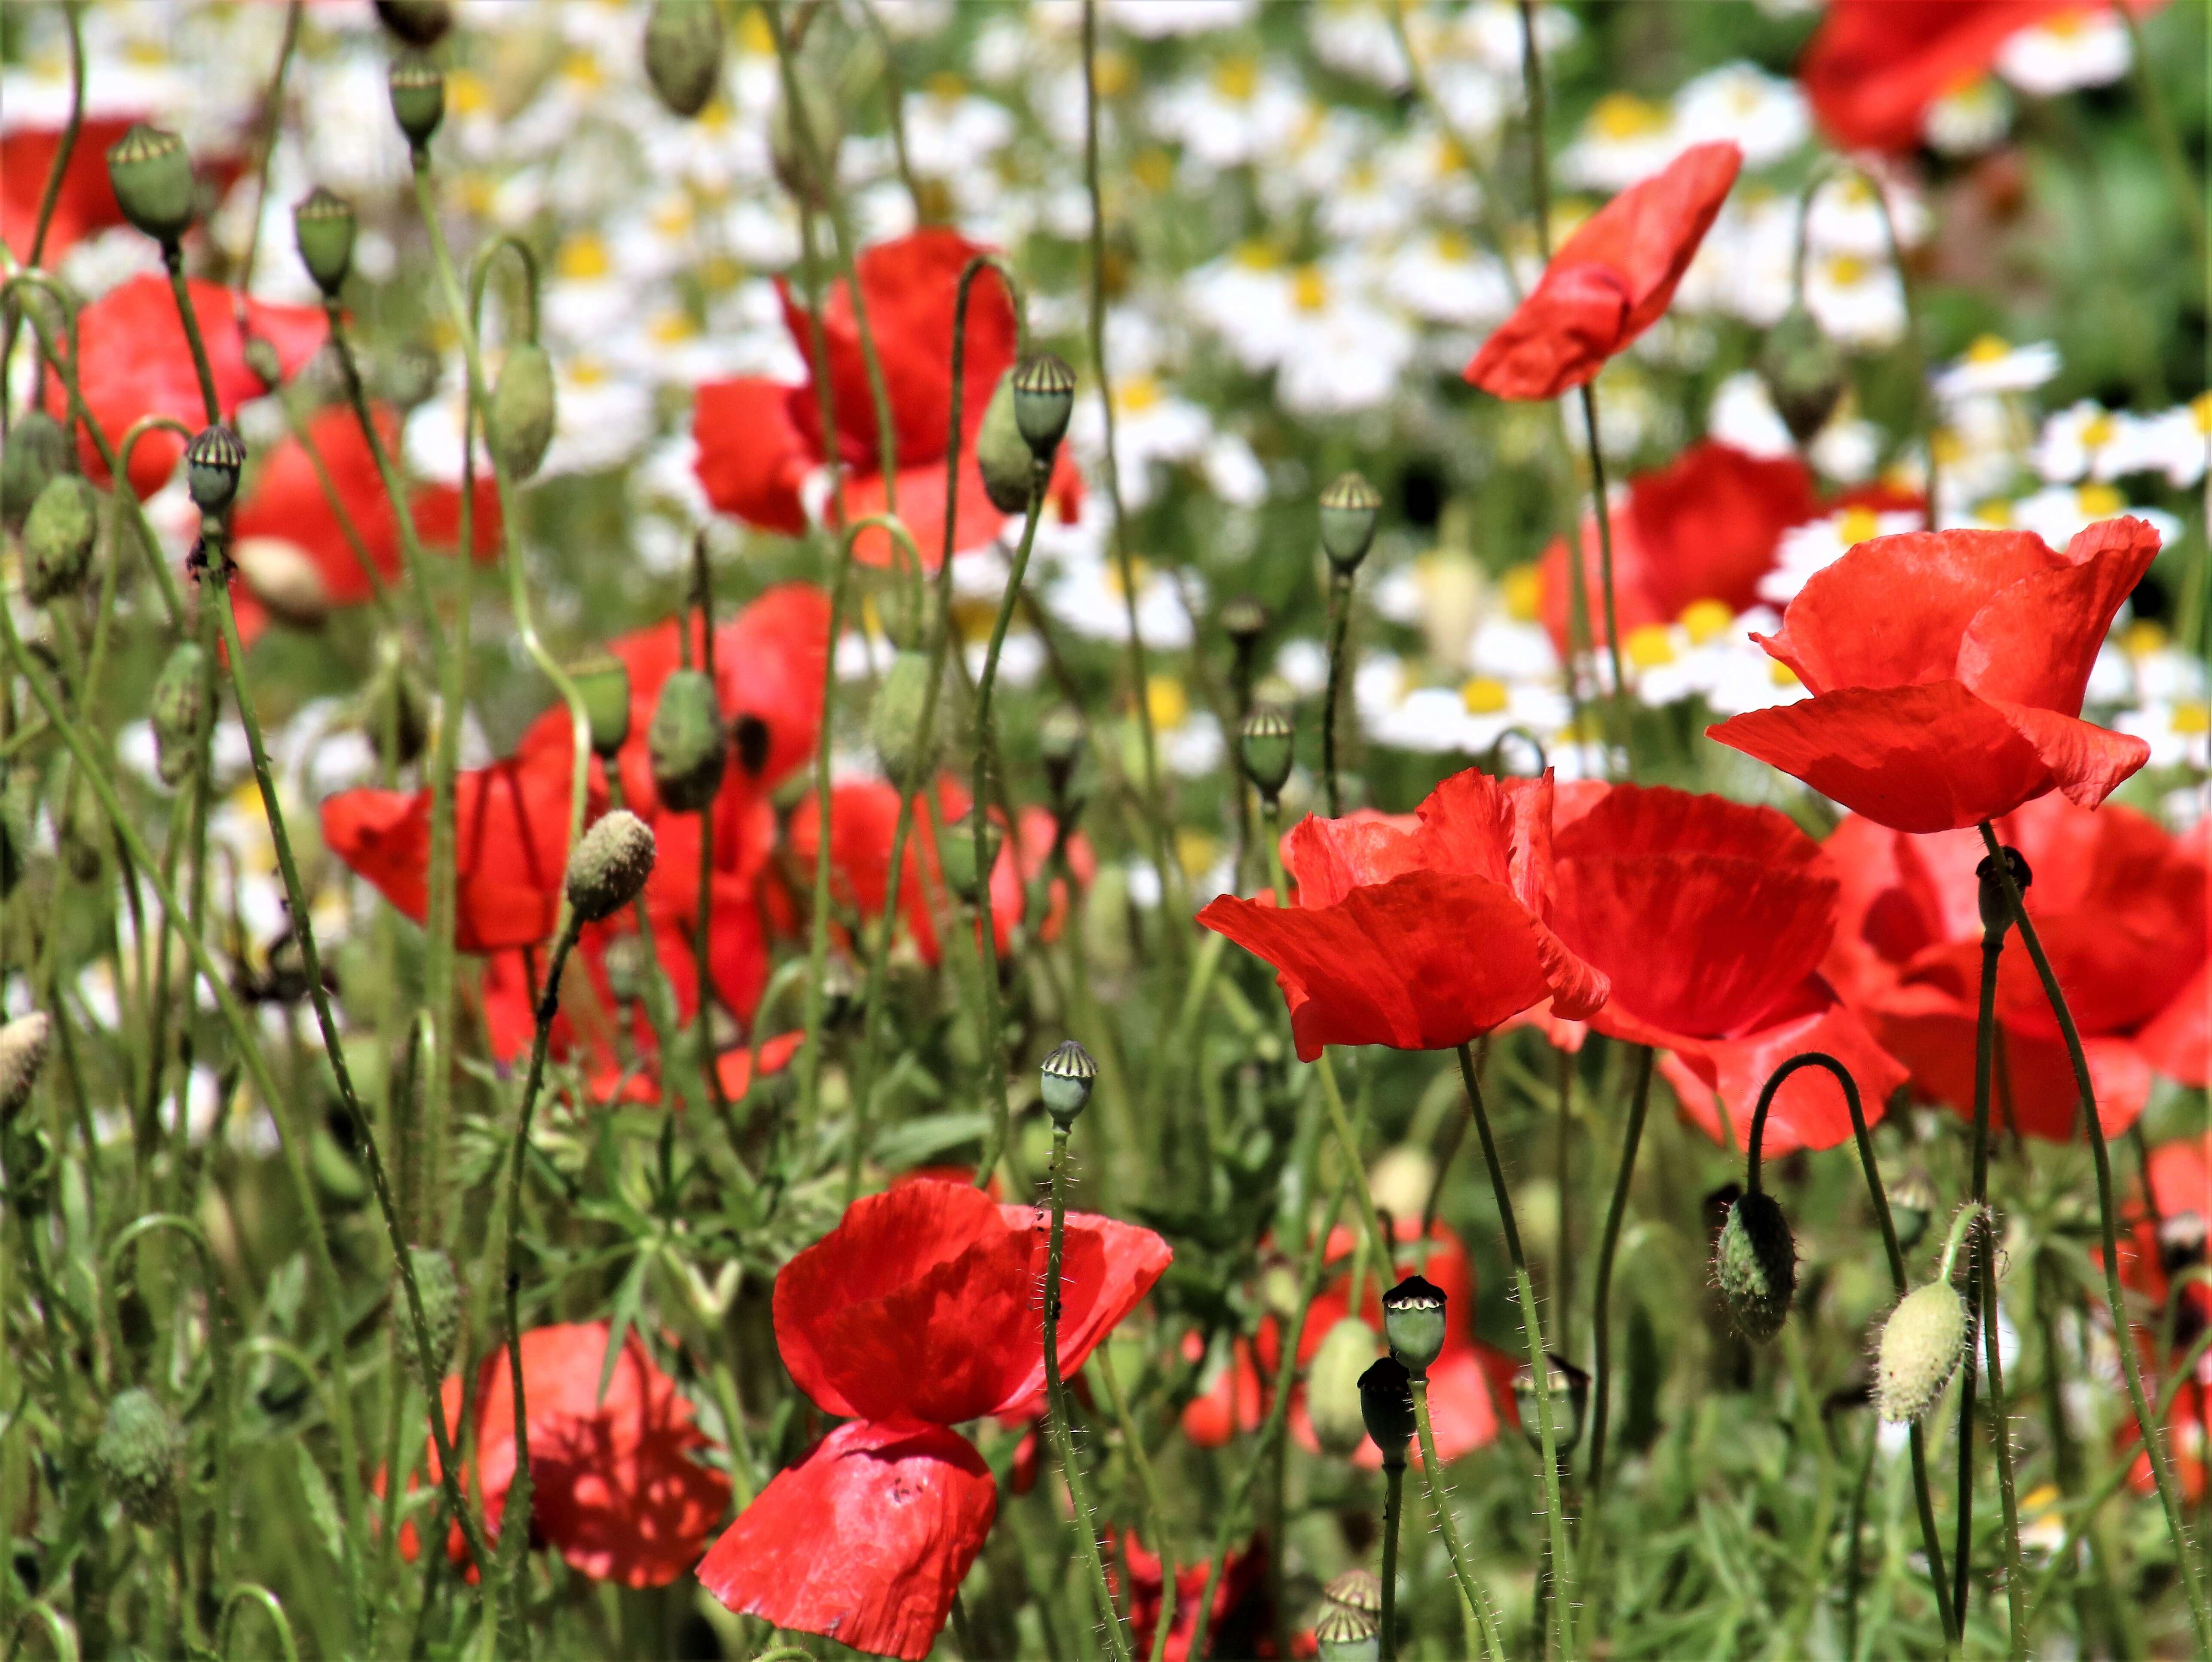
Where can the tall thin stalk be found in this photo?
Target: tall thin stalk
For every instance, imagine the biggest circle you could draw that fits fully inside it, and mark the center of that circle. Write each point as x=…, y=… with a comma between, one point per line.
x=1602, y=1296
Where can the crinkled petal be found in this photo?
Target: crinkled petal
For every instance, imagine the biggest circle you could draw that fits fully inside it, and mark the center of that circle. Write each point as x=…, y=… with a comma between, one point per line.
x=2034, y=641
x=1809, y=1110
x=1106, y=1268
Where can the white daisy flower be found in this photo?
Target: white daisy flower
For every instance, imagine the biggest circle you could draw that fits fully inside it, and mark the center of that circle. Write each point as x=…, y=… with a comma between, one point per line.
x=1624, y=138
x=2061, y=54
x=1765, y=114
x=1818, y=543
x=1969, y=119
x=1859, y=301
x=1992, y=365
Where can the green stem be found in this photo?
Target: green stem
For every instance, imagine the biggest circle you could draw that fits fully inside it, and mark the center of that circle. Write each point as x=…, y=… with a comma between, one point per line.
x=2000, y=1432
x=1394, y=1506
x=51, y=193
x=1984, y=1052
x=1470, y=1588
x=1340, y=622
x=2180, y=177
x=1600, y=1300
x=1133, y=1442
x=1604, y=510
x=173, y=261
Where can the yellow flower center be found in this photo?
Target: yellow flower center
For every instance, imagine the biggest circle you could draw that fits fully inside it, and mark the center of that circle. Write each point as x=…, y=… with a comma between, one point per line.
x=1857, y=526
x=1847, y=271
x=673, y=329
x=1256, y=255
x=1309, y=288
x=1997, y=512
x=1451, y=245
x=2099, y=501
x=1947, y=445
x=1237, y=78
x=753, y=33
x=583, y=258
x=1988, y=349
x=582, y=68
x=1154, y=168
x=585, y=371
x=1650, y=645
x=2097, y=432
x=1624, y=116
x=946, y=87
x=2200, y=408
x=1114, y=74
x=1138, y=393
x=1196, y=851
x=466, y=93
x=1169, y=705
x=1523, y=588
x=1782, y=675
x=1484, y=695
x=1702, y=620
x=2141, y=638
x=2190, y=719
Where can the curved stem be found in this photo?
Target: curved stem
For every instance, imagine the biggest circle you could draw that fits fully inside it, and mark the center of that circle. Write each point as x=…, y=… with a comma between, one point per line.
x=1601, y=1300
x=1984, y=1053
x=1394, y=1506
x=51, y=193
x=1470, y=1588
x=270, y=1608
x=1340, y=622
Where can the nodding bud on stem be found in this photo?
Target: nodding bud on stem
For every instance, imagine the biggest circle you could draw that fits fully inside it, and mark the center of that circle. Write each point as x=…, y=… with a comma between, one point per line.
x=37, y=450
x=1003, y=456
x=688, y=745
x=1349, y=509
x=213, y=462
x=1268, y=744
x=1332, y=1403
x=419, y=96
x=603, y=682
x=521, y=420
x=419, y=22
x=322, y=226
x=1413, y=1317
x=895, y=721
x=1997, y=905
x=1066, y=1079
x=1044, y=397
x=1385, y=1402
x=59, y=535
x=1756, y=1266
x=179, y=713
x=683, y=53
x=1922, y=1344
x=138, y=1455
x=23, y=1044
x=152, y=176
x=1804, y=371
x=1244, y=620
x=609, y=865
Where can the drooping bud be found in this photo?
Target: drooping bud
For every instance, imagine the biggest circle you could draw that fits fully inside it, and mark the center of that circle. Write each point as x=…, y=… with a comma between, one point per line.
x=963, y=863
x=1003, y=456
x=1067, y=1076
x=1344, y=1353
x=1756, y=1265
x=683, y=53
x=139, y=1456
x=179, y=713
x=1044, y=397
x=609, y=865
x=213, y=461
x=441, y=1289
x=419, y=96
x=895, y=721
x=1804, y=371
x=603, y=682
x=1385, y=1402
x=1268, y=743
x=1413, y=1318
x=152, y=175
x=37, y=450
x=59, y=535
x=1568, y=1387
x=1344, y=1635
x=286, y=579
x=23, y=1044
x=825, y=126
x=689, y=746
x=1349, y=509
x=418, y=22
x=523, y=409
x=1997, y=905
x=322, y=226
x=1912, y=1203
x=1922, y=1344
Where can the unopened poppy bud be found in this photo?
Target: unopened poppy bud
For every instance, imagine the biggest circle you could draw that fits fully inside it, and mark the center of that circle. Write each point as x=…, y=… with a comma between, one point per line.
x=152, y=175
x=1996, y=904
x=1044, y=397
x=1065, y=1078
x=825, y=124
x=179, y=711
x=1414, y=1322
x=1268, y=743
x=213, y=461
x=1332, y=1403
x=1756, y=1265
x=285, y=578
x=609, y=865
x=1804, y=371
x=603, y=682
x=419, y=22
x=37, y=450
x=1386, y=1404
x=1912, y=1203
x=689, y=746
x=1349, y=509
x=57, y=537
x=441, y=1291
x=322, y=226
x=23, y=1044
x=683, y=53
x=963, y=863
x=1344, y=1635
x=895, y=721
x=1922, y=1344
x=419, y=96
x=1002, y=455
x=1569, y=1389
x=1357, y=1590
x=138, y=1455
x=523, y=410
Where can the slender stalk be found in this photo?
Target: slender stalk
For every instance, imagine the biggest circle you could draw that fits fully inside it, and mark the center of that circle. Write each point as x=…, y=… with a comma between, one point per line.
x=2000, y=1434
x=1133, y=1442
x=1563, y=1263
x=1984, y=1045
x=1394, y=1506
x=1854, y=1572
x=264, y=144
x=173, y=261
x=51, y=193
x=1601, y=1298
x=1604, y=510
x=1470, y=1588
x=1340, y=622
x=703, y=943
x=2188, y=192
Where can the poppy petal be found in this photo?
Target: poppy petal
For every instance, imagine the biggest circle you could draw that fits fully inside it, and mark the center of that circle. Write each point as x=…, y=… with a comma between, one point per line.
x=1809, y=1110
x=2034, y=641
x=753, y=455
x=1106, y=1268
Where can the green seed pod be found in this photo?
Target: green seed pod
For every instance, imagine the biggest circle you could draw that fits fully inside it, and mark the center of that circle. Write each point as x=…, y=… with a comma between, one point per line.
x=1414, y=1322
x=1804, y=370
x=609, y=865
x=895, y=722
x=1922, y=1344
x=1002, y=455
x=1997, y=905
x=23, y=1044
x=322, y=226
x=1044, y=397
x=419, y=96
x=59, y=535
x=683, y=53
x=418, y=22
x=1357, y=1590
x=603, y=682
x=1349, y=509
x=1343, y=1635
x=38, y=449
x=1268, y=743
x=139, y=1456
x=1385, y=1402
x=213, y=462
x=689, y=746
x=1756, y=1265
x=1067, y=1078
x=1568, y=1388
x=1346, y=1352
x=522, y=412
x=440, y=1288
x=826, y=124
x=153, y=178
x=962, y=862
x=179, y=711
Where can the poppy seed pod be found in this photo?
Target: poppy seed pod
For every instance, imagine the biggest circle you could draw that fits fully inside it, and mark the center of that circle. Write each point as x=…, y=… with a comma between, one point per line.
x=683, y=53
x=441, y=1289
x=825, y=126
x=523, y=410
x=1268, y=743
x=37, y=450
x=1413, y=1322
x=1385, y=1402
x=1065, y=1078
x=1756, y=1265
x=1002, y=455
x=179, y=711
x=213, y=461
x=322, y=226
x=1997, y=905
x=688, y=747
x=609, y=865
x=419, y=22
x=1912, y=1203
x=603, y=682
x=1333, y=1387
x=1349, y=509
x=963, y=863
x=895, y=721
x=1804, y=371
x=1344, y=1635
x=23, y=1044
x=140, y=1449
x=152, y=175
x=419, y=96
x=1358, y=1590
x=1044, y=397
x=57, y=537
x=1922, y=1344
x=1568, y=1387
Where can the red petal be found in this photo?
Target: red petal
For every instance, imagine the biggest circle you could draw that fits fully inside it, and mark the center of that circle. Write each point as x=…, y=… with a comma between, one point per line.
x=1934, y=1035
x=1106, y=1267
x=1709, y=524
x=2034, y=641
x=1560, y=336
x=85, y=202
x=753, y=455
x=2177, y=1042
x=1809, y=1110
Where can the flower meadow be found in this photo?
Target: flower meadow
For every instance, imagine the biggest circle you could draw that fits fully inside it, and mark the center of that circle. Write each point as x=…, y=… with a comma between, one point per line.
x=1109, y=830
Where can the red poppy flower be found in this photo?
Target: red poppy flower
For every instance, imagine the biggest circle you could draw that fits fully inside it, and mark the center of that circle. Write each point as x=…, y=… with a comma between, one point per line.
x=1704, y=527
x=1947, y=669
x=616, y=1488
x=760, y=441
x=1376, y=951
x=2188, y=1439
x=2166, y=1238
x=85, y=202
x=1238, y=1625
x=134, y=361
x=2120, y=907
x=1610, y=281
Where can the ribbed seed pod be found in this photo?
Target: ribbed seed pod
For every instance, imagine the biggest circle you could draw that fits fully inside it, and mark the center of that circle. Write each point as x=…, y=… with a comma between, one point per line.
x=1268, y=743
x=179, y=711
x=323, y=224
x=213, y=462
x=683, y=53
x=1044, y=398
x=1349, y=509
x=419, y=96
x=1065, y=1082
x=1346, y=1352
x=152, y=176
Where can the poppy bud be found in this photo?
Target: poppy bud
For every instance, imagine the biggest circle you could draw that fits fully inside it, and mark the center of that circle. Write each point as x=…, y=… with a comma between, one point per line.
x=1568, y=1387
x=1060, y=735
x=1002, y=455
x=440, y=1289
x=603, y=682
x=1044, y=397
x=213, y=461
x=1344, y=1635
x=1349, y=509
x=57, y=537
x=419, y=96
x=1996, y=904
x=609, y=865
x=179, y=711
x=23, y=1044
x=418, y=22
x=1356, y=1590
x=964, y=864
x=1756, y=1265
x=522, y=410
x=1332, y=1403
x=140, y=1449
x=152, y=176
x=824, y=123
x=1804, y=371
x=1385, y=1402
x=894, y=723
x=322, y=226
x=1922, y=1344
x=1912, y=1203
x=1244, y=620
x=683, y=53
x=1413, y=1322
x=37, y=450
x=285, y=578
x=688, y=747
x=1268, y=743
x=1067, y=1078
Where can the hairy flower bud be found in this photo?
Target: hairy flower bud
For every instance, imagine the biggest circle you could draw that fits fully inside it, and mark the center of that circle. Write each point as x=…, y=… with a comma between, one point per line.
x=59, y=535
x=23, y=1044
x=1922, y=1344
x=1756, y=1265
x=683, y=53
x=603, y=682
x=1349, y=509
x=895, y=721
x=523, y=409
x=1413, y=1320
x=152, y=176
x=1385, y=1402
x=688, y=745
x=1333, y=1403
x=609, y=865
x=37, y=450
x=1567, y=1385
x=139, y=1456
x=1268, y=743
x=1044, y=398
x=1804, y=371
x=179, y=711
x=441, y=1289
x=213, y=462
x=419, y=96
x=1003, y=456
x=1067, y=1078
x=1995, y=905
x=322, y=226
